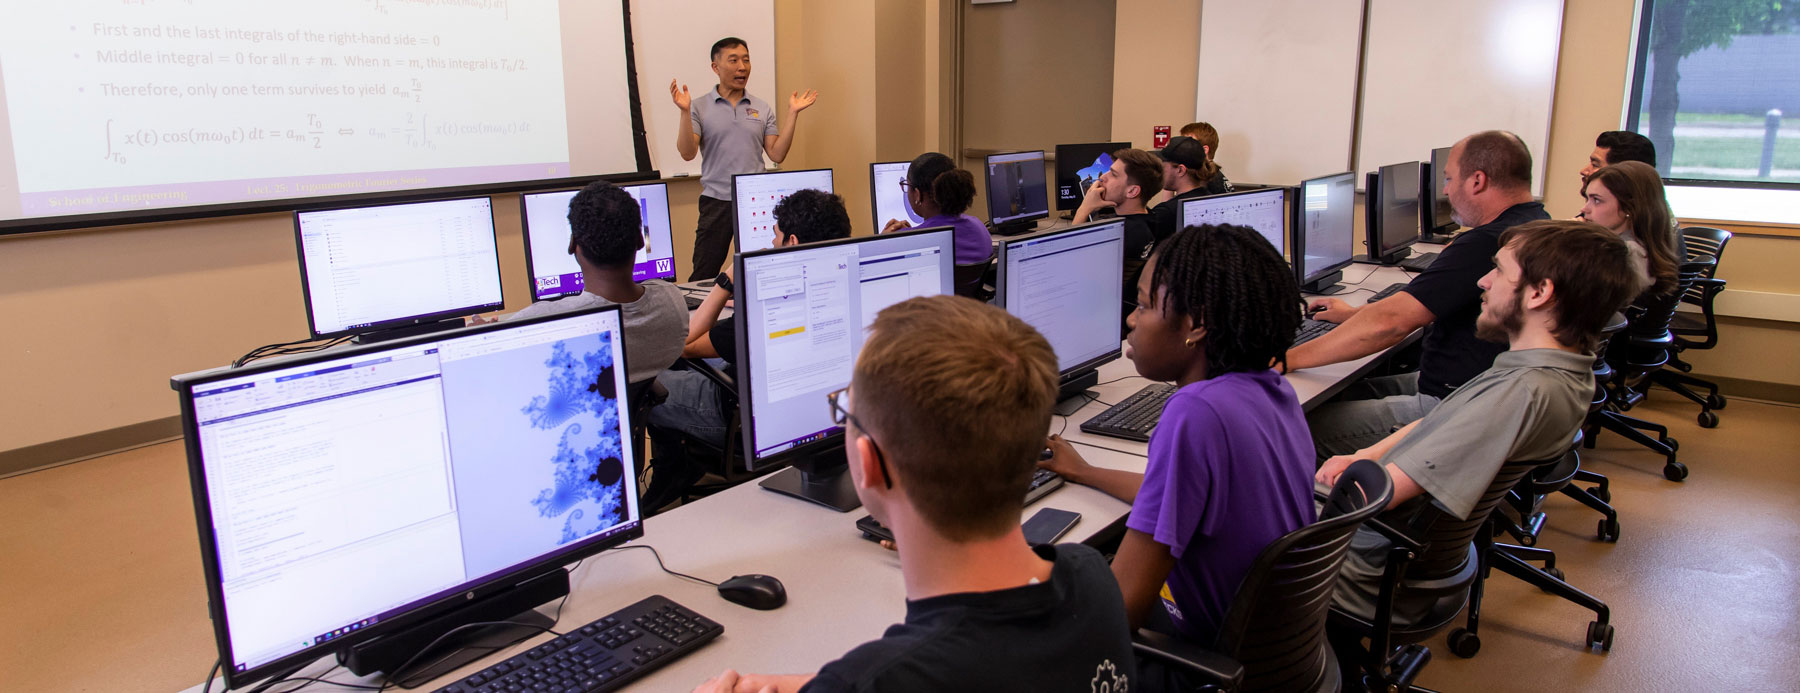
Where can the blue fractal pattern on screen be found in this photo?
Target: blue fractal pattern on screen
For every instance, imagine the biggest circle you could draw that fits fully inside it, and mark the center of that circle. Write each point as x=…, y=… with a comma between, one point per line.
x=589, y=464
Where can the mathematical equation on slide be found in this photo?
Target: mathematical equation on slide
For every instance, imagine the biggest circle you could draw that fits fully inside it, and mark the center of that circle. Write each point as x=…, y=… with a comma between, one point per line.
x=417, y=131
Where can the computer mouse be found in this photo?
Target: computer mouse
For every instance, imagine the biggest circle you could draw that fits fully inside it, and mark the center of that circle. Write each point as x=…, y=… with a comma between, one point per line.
x=755, y=591
x=1046, y=454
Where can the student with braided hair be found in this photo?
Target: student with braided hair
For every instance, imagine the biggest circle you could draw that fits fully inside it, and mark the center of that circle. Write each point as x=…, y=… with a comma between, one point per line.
x=1231, y=461
x=942, y=193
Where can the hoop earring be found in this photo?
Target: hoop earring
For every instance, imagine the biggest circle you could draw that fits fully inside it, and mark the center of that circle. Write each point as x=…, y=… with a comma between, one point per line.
x=1189, y=342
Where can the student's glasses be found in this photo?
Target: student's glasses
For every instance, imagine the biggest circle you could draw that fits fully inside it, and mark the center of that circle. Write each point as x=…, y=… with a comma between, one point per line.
x=840, y=414
x=904, y=185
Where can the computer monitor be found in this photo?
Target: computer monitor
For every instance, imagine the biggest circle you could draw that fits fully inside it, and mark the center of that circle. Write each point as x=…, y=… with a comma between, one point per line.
x=1435, y=215
x=802, y=314
x=389, y=270
x=554, y=272
x=1263, y=209
x=361, y=502
x=754, y=196
x=1391, y=225
x=1078, y=166
x=1323, y=238
x=886, y=196
x=1016, y=194
x=1069, y=284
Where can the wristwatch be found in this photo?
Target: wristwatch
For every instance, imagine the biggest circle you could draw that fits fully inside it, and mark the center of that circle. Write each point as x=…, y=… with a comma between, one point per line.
x=723, y=281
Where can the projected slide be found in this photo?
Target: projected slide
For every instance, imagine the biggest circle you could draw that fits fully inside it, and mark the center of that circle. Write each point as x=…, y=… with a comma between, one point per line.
x=133, y=105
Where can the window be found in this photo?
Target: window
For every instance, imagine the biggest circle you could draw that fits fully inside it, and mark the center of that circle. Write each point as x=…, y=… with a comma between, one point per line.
x=1715, y=89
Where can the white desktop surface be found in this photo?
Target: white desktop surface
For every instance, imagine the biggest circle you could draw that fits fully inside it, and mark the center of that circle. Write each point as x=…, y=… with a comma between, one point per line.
x=842, y=590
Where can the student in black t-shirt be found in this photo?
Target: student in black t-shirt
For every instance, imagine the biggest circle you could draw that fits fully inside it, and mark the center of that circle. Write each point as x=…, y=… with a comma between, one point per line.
x=1488, y=181
x=1124, y=190
x=693, y=408
x=943, y=422
x=1185, y=172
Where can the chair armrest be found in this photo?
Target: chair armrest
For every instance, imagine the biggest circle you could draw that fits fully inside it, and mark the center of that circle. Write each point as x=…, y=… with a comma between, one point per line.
x=719, y=377
x=1211, y=668
x=1400, y=539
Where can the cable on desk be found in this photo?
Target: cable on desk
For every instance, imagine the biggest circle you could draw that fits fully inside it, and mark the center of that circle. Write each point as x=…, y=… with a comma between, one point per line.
x=659, y=563
x=207, y=687
x=1103, y=447
x=287, y=348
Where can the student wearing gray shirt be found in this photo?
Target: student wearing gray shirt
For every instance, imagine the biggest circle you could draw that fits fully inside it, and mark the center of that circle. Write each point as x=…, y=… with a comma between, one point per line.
x=730, y=130
x=1554, y=286
x=604, y=238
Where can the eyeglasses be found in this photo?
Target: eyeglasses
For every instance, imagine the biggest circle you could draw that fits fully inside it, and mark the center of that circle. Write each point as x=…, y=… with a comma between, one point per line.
x=905, y=185
x=840, y=413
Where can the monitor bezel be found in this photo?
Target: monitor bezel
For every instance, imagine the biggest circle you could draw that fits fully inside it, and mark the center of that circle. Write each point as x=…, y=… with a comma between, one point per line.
x=746, y=375
x=1286, y=212
x=1000, y=255
x=1297, y=229
x=312, y=325
x=1056, y=179
x=435, y=605
x=1381, y=214
x=874, y=195
x=1433, y=169
x=525, y=230
x=987, y=184
x=737, y=243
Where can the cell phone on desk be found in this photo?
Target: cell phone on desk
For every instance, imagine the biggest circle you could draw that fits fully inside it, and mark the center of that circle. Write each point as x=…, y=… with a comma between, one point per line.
x=1048, y=525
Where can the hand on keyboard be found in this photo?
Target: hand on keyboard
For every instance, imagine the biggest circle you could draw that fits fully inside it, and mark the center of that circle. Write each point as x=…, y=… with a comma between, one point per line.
x=1329, y=310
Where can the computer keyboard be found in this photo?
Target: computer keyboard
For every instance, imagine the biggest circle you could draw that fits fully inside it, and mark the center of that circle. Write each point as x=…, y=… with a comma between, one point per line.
x=1390, y=290
x=604, y=655
x=1418, y=263
x=693, y=302
x=1311, y=329
x=1133, y=418
x=1043, y=481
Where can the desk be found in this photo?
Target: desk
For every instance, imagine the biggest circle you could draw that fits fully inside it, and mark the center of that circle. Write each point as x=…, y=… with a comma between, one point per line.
x=842, y=589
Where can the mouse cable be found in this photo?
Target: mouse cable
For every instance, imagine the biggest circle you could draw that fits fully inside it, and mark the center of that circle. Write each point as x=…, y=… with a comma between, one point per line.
x=659, y=563
x=1103, y=447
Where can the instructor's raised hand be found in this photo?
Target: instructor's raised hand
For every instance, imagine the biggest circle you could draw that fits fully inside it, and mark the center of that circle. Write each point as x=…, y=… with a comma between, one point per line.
x=679, y=92
x=799, y=101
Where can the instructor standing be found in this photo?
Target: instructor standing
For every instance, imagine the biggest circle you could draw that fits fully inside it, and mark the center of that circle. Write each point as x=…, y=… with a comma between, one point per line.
x=732, y=129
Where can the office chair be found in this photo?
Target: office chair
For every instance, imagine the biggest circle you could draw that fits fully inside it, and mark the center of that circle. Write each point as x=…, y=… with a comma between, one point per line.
x=639, y=398
x=1436, y=557
x=1645, y=349
x=1273, y=636
x=725, y=461
x=975, y=280
x=1549, y=477
x=1697, y=331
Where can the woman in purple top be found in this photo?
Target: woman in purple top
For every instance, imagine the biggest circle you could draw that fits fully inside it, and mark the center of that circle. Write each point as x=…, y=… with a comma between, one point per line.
x=1231, y=461
x=941, y=192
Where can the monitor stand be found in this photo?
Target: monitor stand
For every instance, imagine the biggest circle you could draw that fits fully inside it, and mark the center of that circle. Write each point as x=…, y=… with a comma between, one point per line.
x=1074, y=394
x=515, y=606
x=1390, y=259
x=408, y=331
x=1015, y=228
x=822, y=477
x=1325, y=286
x=1438, y=238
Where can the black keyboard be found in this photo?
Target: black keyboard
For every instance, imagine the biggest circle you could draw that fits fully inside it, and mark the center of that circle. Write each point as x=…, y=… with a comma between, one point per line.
x=1418, y=263
x=1043, y=481
x=1390, y=290
x=604, y=655
x=1311, y=330
x=1133, y=418
x=693, y=301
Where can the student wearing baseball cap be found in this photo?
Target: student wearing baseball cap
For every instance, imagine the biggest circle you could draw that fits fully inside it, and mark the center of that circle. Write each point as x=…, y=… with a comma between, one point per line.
x=1186, y=174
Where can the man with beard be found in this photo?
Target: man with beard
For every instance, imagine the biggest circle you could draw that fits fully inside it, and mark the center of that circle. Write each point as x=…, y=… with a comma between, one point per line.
x=1553, y=287
x=1488, y=180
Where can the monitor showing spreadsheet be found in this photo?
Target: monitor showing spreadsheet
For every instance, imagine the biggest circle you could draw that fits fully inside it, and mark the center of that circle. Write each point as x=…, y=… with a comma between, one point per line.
x=1263, y=209
x=370, y=268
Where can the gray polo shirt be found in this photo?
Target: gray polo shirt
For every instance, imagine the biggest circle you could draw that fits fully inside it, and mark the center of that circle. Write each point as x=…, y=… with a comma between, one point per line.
x=655, y=325
x=731, y=138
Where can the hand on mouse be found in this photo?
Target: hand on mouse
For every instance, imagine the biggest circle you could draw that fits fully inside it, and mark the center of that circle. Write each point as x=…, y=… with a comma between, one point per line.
x=1063, y=460
x=1329, y=310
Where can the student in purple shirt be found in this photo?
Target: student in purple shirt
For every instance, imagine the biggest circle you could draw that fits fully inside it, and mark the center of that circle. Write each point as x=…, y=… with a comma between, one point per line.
x=1231, y=460
x=941, y=192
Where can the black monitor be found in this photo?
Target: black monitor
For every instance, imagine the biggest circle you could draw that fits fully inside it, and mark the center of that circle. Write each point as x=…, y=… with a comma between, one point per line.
x=1391, y=211
x=364, y=501
x=753, y=200
x=391, y=270
x=1262, y=209
x=1079, y=166
x=1016, y=194
x=887, y=198
x=1069, y=284
x=802, y=314
x=1323, y=237
x=544, y=217
x=1436, y=218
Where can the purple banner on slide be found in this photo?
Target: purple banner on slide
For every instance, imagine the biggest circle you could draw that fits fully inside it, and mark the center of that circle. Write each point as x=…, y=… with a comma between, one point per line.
x=561, y=285
x=655, y=268
x=91, y=200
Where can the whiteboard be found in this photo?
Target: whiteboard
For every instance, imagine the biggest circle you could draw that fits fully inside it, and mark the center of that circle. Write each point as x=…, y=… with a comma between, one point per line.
x=1437, y=71
x=672, y=40
x=1278, y=80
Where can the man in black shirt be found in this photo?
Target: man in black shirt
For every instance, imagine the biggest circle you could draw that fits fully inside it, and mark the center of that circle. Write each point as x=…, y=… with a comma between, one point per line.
x=1488, y=181
x=1185, y=170
x=1124, y=190
x=943, y=422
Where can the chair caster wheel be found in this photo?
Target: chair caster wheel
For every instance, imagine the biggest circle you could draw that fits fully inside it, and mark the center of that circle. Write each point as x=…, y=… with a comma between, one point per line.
x=1709, y=420
x=1555, y=572
x=1674, y=445
x=1602, y=493
x=1463, y=643
x=1609, y=531
x=1600, y=635
x=1675, y=471
x=1715, y=401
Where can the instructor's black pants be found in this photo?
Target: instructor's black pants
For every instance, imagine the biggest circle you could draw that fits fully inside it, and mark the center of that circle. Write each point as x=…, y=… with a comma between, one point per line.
x=712, y=240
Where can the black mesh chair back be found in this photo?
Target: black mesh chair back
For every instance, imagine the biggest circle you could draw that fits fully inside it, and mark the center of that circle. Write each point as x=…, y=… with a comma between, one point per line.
x=1276, y=624
x=972, y=279
x=1705, y=241
x=1447, y=539
x=1647, y=337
